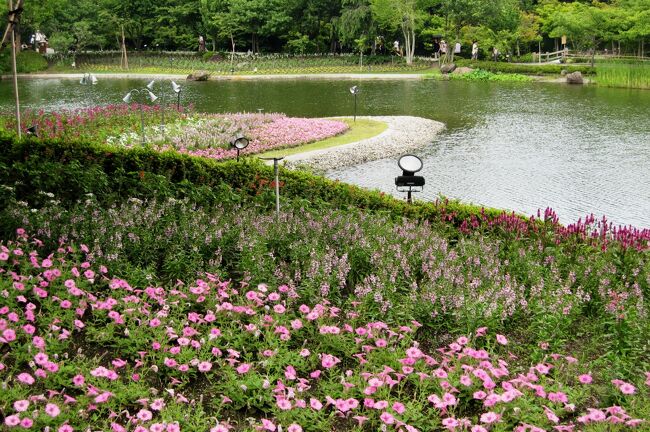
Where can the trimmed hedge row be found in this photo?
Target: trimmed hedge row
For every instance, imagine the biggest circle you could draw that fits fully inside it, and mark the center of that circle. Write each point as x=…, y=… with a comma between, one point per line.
x=71, y=170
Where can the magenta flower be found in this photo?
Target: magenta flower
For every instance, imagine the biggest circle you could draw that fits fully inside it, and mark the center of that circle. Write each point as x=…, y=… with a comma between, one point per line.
x=585, y=379
x=205, y=366
x=387, y=418
x=502, y=339
x=328, y=361
x=243, y=368
x=21, y=405
x=293, y=427
x=489, y=417
x=52, y=410
x=26, y=378
x=12, y=420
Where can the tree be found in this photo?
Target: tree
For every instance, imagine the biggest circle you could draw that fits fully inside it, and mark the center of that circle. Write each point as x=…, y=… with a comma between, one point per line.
x=405, y=15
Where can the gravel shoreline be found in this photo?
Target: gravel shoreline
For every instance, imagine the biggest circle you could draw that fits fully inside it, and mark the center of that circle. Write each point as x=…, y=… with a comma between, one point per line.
x=404, y=134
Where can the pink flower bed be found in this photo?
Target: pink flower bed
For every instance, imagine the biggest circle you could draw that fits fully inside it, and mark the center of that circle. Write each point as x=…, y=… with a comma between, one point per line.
x=83, y=348
x=210, y=136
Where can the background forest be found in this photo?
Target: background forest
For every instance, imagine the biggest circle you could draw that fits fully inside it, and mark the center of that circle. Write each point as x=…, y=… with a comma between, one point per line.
x=334, y=26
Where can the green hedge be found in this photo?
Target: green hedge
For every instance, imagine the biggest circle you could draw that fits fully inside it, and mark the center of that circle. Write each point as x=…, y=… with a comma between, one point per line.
x=529, y=69
x=26, y=62
x=71, y=170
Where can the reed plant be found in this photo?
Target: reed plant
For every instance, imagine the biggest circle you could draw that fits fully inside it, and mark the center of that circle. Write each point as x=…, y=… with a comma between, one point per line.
x=628, y=75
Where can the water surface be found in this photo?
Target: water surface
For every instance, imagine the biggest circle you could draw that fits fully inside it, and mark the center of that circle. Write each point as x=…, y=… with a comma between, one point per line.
x=580, y=150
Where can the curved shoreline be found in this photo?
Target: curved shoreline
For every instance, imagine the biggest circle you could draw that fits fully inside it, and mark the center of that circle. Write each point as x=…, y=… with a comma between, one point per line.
x=404, y=133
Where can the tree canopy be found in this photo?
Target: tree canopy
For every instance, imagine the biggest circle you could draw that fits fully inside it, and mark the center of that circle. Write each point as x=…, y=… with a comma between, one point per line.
x=324, y=26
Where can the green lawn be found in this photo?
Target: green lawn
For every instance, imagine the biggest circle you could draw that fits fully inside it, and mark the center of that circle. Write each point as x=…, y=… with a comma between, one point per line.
x=359, y=130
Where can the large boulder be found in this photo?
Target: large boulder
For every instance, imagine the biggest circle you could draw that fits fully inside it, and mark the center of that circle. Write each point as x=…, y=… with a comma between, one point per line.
x=447, y=68
x=574, y=78
x=198, y=76
x=462, y=70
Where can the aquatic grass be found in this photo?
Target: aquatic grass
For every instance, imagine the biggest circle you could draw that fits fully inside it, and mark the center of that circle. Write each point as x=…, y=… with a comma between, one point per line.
x=627, y=75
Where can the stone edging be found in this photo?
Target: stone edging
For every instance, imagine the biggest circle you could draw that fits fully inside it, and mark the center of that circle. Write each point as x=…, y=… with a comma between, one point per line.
x=404, y=134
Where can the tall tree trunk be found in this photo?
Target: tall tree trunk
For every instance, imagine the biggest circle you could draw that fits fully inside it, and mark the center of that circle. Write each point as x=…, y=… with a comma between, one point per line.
x=214, y=43
x=232, y=55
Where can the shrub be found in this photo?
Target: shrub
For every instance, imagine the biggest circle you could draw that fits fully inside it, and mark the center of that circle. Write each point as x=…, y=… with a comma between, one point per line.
x=529, y=69
x=26, y=61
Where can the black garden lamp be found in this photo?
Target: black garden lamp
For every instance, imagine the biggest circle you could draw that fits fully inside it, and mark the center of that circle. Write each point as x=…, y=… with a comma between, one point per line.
x=240, y=142
x=355, y=91
x=408, y=182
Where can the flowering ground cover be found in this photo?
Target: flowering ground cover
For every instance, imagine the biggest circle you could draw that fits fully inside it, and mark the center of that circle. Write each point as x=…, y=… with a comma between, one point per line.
x=83, y=347
x=196, y=309
x=205, y=135
x=94, y=124
x=209, y=135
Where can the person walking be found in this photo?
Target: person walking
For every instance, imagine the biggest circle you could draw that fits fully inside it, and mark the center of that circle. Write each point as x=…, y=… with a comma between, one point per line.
x=201, y=43
x=436, y=48
x=475, y=50
x=443, y=48
x=495, y=54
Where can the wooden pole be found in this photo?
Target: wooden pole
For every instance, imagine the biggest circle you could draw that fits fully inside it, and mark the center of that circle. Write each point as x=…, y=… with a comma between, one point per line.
x=125, y=59
x=13, y=65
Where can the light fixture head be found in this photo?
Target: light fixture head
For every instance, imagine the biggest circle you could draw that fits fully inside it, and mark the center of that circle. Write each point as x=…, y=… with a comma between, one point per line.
x=176, y=87
x=354, y=90
x=410, y=164
x=82, y=80
x=93, y=79
x=150, y=85
x=152, y=97
x=33, y=130
x=127, y=98
x=240, y=142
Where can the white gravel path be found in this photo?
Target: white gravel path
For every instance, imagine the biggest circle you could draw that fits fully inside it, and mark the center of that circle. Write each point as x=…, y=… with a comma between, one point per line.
x=404, y=134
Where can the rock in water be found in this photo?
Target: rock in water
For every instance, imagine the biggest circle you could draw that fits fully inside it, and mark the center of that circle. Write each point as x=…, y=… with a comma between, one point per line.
x=574, y=78
x=198, y=76
x=462, y=70
x=447, y=68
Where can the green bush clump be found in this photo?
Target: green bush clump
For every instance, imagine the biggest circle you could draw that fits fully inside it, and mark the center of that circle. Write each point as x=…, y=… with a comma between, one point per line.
x=483, y=75
x=26, y=62
x=529, y=69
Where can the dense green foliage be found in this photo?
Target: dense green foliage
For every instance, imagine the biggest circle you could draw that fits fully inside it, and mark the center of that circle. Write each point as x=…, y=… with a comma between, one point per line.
x=322, y=26
x=26, y=62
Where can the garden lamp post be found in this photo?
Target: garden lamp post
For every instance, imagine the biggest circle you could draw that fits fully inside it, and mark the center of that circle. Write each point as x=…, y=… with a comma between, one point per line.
x=355, y=91
x=408, y=182
x=152, y=98
x=240, y=142
x=276, y=170
x=150, y=86
x=177, y=90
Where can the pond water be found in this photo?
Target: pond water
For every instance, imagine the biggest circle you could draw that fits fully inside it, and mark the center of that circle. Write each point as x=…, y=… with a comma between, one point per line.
x=579, y=150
